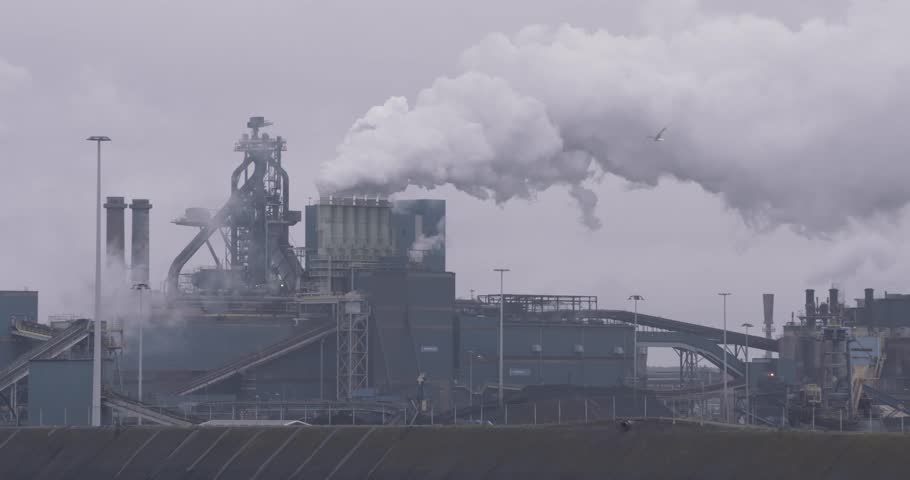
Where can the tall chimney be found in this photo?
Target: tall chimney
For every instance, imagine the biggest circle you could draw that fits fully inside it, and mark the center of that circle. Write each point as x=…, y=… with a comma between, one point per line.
x=868, y=303
x=833, y=305
x=115, y=258
x=140, y=251
x=810, y=307
x=768, y=304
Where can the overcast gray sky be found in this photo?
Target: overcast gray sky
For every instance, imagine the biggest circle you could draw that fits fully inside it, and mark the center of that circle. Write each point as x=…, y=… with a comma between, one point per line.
x=173, y=83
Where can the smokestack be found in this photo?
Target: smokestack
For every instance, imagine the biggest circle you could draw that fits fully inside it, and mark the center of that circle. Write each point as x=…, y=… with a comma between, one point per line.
x=140, y=251
x=833, y=305
x=768, y=304
x=115, y=258
x=868, y=302
x=810, y=307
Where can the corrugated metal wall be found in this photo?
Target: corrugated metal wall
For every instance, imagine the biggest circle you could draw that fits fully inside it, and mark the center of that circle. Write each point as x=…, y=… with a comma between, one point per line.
x=59, y=392
x=411, y=329
x=535, y=353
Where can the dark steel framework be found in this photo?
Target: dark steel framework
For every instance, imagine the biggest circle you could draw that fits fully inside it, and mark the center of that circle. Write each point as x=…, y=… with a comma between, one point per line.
x=253, y=223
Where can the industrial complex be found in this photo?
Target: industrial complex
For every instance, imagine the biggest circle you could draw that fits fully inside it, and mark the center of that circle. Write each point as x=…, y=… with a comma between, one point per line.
x=361, y=325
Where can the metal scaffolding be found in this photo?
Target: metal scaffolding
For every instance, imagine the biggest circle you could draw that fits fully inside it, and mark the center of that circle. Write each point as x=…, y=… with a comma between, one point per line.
x=353, y=345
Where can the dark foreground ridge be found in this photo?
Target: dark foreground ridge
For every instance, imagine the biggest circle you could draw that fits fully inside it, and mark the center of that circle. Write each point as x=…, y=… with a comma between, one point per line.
x=647, y=450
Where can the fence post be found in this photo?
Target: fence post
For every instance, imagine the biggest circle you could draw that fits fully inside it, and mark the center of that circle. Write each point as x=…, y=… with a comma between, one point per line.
x=65, y=419
x=535, y=414
x=646, y=407
x=840, y=419
x=353, y=416
x=507, y=413
x=558, y=412
x=40, y=417
x=813, y=418
x=586, y=410
x=432, y=421
x=455, y=420
x=481, y=414
x=614, y=408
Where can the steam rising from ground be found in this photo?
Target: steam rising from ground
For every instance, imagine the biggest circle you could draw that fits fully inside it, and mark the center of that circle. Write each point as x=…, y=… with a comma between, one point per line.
x=790, y=127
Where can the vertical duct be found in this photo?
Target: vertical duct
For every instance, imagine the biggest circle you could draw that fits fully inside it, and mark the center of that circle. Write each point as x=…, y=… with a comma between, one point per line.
x=768, y=304
x=868, y=303
x=810, y=307
x=115, y=239
x=140, y=252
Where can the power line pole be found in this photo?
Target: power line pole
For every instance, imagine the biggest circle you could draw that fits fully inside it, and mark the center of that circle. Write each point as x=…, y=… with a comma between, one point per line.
x=635, y=299
x=748, y=398
x=502, y=272
x=725, y=401
x=96, y=356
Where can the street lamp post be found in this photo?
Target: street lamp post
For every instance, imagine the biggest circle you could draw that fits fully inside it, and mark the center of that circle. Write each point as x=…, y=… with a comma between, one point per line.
x=635, y=299
x=502, y=272
x=725, y=401
x=139, y=287
x=96, y=356
x=747, y=326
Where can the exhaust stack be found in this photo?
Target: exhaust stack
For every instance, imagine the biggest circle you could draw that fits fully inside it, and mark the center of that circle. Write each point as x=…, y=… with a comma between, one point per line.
x=810, y=307
x=115, y=258
x=140, y=251
x=833, y=303
x=868, y=304
x=768, y=304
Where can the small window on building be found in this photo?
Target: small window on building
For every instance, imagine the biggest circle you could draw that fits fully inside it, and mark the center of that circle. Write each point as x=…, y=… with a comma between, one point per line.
x=579, y=348
x=537, y=348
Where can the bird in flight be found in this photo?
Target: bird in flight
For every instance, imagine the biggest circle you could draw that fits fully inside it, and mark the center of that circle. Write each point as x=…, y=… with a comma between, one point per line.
x=660, y=135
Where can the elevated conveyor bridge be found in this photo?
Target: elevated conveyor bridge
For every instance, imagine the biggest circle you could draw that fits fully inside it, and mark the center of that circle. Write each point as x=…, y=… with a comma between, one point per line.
x=310, y=335
x=57, y=344
x=715, y=335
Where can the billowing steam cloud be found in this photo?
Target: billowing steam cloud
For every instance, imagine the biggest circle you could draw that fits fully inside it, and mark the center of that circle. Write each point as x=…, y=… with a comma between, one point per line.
x=790, y=127
x=849, y=256
x=424, y=244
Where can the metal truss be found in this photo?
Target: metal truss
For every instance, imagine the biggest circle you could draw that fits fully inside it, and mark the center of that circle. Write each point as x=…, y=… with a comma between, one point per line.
x=353, y=346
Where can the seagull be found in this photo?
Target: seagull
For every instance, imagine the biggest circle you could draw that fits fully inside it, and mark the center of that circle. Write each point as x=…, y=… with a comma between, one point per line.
x=660, y=135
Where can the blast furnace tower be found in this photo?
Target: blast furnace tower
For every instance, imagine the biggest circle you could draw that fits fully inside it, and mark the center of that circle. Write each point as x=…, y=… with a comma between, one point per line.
x=253, y=224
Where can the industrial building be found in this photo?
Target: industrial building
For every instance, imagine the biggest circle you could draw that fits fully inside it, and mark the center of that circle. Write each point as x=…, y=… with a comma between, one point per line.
x=361, y=325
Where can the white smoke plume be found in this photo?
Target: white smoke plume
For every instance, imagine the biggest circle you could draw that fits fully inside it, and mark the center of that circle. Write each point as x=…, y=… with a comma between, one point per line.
x=851, y=255
x=799, y=127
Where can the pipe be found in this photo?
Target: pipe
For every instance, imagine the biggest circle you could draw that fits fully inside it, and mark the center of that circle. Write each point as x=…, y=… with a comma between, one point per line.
x=139, y=258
